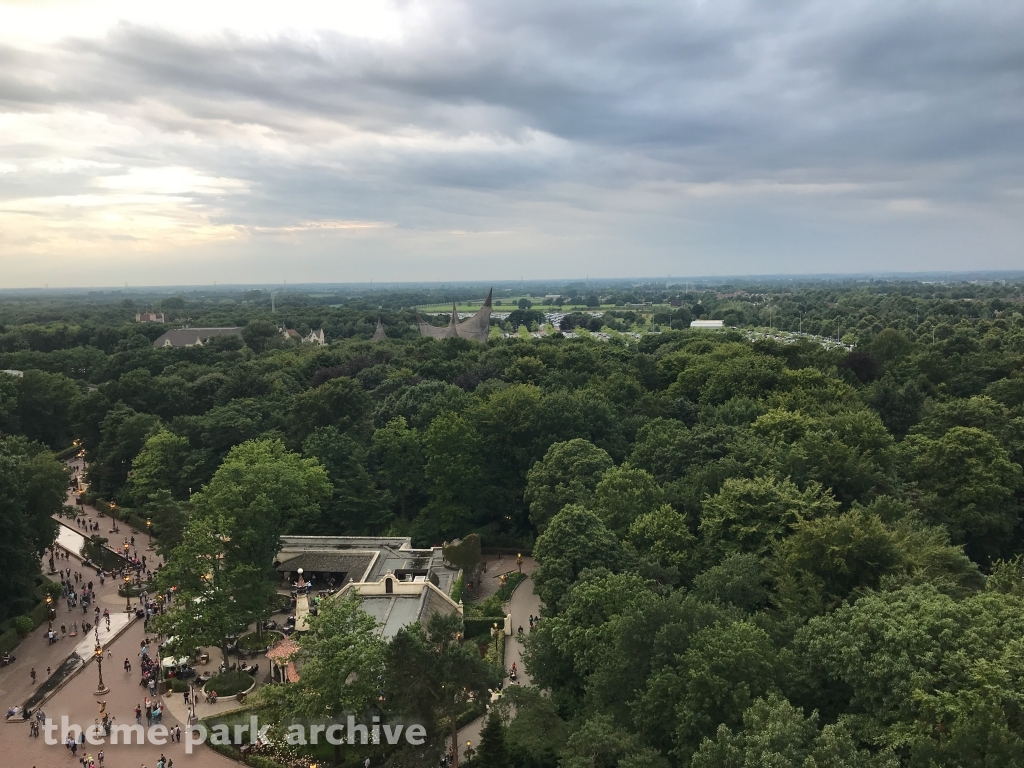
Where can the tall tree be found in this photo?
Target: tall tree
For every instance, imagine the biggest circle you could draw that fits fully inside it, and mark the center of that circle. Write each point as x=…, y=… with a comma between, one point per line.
x=226, y=560
x=775, y=733
x=355, y=506
x=750, y=515
x=45, y=403
x=575, y=540
x=623, y=495
x=493, y=751
x=567, y=474
x=432, y=676
x=398, y=456
x=159, y=466
x=342, y=662
x=967, y=482
x=32, y=488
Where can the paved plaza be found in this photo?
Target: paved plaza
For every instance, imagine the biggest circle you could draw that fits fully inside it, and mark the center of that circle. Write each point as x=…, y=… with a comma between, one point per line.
x=76, y=699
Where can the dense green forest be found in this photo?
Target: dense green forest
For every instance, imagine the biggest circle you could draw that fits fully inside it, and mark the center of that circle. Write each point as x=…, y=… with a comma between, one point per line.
x=754, y=550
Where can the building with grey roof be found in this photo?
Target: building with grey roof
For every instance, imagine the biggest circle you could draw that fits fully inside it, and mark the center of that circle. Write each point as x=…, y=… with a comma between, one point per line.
x=398, y=602
x=397, y=584
x=193, y=337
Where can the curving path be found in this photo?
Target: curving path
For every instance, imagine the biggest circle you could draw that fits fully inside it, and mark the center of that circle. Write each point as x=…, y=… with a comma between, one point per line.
x=524, y=603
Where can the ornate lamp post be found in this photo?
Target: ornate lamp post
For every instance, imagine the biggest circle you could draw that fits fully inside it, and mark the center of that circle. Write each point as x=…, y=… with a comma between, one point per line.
x=519, y=561
x=494, y=634
x=301, y=585
x=127, y=593
x=101, y=689
x=149, y=532
x=49, y=608
x=469, y=750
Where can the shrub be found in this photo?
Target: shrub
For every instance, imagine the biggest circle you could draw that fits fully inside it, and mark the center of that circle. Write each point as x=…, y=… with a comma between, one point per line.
x=258, y=761
x=8, y=641
x=505, y=591
x=475, y=627
x=229, y=683
x=23, y=625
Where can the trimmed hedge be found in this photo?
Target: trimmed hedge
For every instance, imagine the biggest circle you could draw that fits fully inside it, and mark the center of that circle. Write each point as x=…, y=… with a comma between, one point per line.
x=475, y=627
x=8, y=640
x=39, y=614
x=229, y=683
x=259, y=761
x=505, y=591
x=66, y=453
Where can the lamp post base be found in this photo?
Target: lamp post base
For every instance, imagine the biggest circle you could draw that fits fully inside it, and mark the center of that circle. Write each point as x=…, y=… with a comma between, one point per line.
x=101, y=691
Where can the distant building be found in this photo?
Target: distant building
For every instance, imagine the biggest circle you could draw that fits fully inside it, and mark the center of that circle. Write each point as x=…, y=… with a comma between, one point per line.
x=149, y=317
x=313, y=337
x=193, y=337
x=16, y=374
x=675, y=302
x=552, y=297
x=707, y=324
x=476, y=328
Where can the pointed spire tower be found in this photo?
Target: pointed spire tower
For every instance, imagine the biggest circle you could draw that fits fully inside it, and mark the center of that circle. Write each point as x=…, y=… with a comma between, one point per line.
x=452, y=331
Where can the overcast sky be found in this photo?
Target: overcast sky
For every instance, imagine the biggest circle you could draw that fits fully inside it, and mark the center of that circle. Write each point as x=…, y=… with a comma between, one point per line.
x=191, y=141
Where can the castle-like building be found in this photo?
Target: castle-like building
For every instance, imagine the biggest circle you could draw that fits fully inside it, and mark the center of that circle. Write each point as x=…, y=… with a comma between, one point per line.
x=475, y=328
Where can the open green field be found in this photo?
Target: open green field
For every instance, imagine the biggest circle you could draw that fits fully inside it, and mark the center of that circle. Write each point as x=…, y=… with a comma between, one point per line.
x=509, y=304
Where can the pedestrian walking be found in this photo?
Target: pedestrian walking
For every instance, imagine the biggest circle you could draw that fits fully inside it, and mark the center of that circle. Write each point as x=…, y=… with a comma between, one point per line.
x=33, y=674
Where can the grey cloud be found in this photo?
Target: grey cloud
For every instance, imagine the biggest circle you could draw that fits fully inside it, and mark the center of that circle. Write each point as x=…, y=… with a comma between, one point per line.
x=890, y=97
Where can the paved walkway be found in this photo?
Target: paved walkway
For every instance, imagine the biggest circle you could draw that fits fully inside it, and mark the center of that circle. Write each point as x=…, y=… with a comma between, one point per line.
x=524, y=603
x=522, y=606
x=76, y=699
